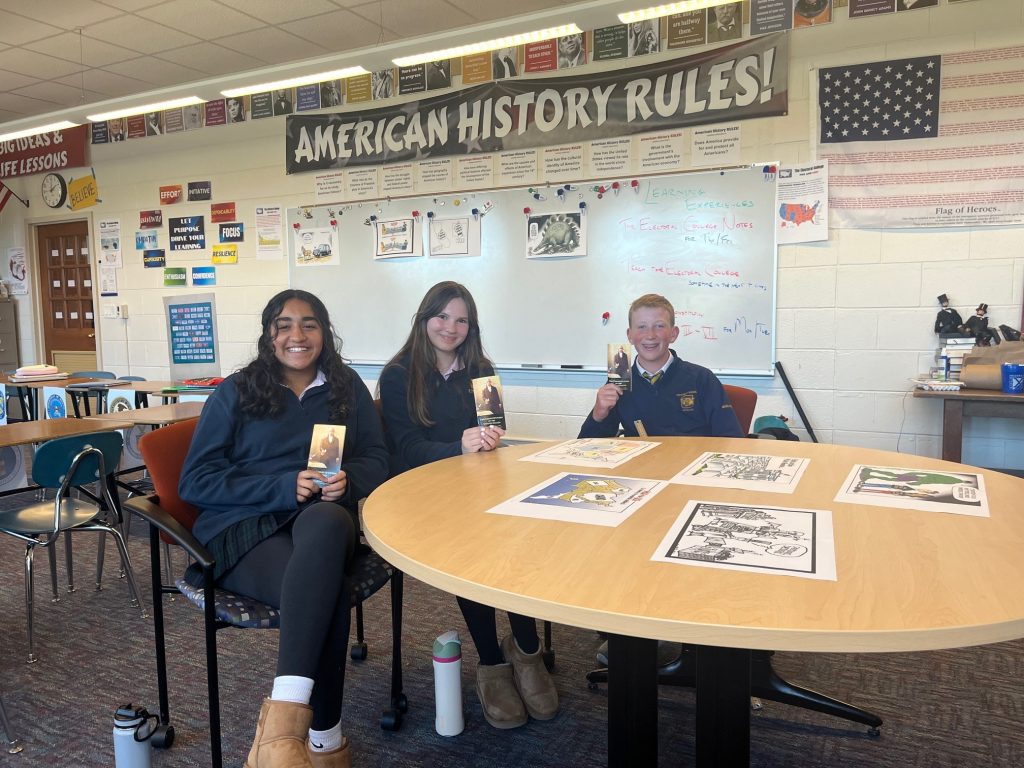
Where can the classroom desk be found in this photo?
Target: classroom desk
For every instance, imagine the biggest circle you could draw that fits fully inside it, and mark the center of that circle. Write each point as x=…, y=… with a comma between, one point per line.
x=26, y=432
x=28, y=392
x=970, y=402
x=907, y=580
x=143, y=388
x=157, y=415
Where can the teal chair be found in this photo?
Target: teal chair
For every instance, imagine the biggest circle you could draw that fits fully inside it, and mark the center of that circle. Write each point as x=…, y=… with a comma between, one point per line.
x=99, y=395
x=66, y=464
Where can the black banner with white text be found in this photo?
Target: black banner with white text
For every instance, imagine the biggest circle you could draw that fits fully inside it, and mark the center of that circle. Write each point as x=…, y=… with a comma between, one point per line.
x=736, y=82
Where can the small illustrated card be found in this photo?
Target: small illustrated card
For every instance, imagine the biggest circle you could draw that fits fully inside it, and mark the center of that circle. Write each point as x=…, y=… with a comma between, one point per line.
x=489, y=398
x=761, y=539
x=580, y=498
x=776, y=474
x=325, y=450
x=601, y=452
x=55, y=403
x=929, y=490
x=620, y=366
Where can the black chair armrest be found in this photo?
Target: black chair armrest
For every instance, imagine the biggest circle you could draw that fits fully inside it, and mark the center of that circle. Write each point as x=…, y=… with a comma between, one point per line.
x=149, y=509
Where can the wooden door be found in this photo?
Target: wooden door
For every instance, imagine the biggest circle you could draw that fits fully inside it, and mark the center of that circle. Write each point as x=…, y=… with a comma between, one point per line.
x=65, y=295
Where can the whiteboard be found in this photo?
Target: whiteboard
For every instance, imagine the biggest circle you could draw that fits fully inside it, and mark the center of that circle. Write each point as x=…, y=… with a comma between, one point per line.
x=705, y=241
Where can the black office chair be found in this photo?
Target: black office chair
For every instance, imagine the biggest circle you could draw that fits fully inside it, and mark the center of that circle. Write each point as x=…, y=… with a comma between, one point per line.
x=171, y=518
x=765, y=683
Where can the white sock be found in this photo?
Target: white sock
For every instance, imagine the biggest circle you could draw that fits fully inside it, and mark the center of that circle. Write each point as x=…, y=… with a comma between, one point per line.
x=292, y=688
x=325, y=741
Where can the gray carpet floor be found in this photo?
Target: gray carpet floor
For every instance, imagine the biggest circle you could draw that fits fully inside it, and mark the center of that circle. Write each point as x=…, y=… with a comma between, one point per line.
x=958, y=708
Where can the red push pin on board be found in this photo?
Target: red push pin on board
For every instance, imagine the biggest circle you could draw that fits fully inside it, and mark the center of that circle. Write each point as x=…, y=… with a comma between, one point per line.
x=635, y=185
x=526, y=210
x=605, y=317
x=296, y=225
x=615, y=187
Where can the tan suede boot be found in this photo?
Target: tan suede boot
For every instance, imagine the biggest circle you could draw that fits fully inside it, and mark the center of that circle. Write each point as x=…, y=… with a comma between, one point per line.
x=532, y=680
x=338, y=758
x=281, y=736
x=498, y=696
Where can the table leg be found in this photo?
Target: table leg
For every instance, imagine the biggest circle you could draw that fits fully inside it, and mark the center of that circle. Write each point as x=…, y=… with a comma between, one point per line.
x=723, y=707
x=952, y=429
x=632, y=701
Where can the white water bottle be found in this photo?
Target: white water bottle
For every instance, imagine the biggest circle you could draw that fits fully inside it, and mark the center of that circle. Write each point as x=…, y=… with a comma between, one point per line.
x=448, y=719
x=131, y=737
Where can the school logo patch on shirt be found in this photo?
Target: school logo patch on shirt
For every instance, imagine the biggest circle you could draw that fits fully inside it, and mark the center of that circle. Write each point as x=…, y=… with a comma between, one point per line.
x=687, y=400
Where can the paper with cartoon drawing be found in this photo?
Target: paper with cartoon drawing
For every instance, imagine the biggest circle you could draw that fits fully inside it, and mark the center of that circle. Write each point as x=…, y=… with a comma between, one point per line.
x=580, y=498
x=777, y=474
x=757, y=539
x=928, y=490
x=606, y=453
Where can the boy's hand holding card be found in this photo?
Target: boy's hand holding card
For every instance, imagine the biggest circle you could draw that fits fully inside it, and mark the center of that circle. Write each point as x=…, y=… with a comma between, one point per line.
x=325, y=451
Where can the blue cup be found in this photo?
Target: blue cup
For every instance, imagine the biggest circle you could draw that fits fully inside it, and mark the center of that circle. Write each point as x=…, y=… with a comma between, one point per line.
x=1013, y=378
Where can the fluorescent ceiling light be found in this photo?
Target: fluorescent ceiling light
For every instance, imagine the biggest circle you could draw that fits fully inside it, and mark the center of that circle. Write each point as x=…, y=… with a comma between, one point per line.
x=37, y=130
x=489, y=45
x=144, y=108
x=277, y=85
x=658, y=11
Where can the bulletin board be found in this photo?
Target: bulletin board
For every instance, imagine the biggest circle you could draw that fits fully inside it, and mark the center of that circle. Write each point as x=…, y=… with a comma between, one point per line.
x=554, y=262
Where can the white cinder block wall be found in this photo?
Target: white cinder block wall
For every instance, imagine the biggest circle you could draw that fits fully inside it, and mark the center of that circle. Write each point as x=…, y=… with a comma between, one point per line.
x=854, y=314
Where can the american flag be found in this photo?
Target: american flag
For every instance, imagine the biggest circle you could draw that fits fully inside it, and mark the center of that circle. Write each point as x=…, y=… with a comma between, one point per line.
x=896, y=99
x=5, y=195
x=925, y=141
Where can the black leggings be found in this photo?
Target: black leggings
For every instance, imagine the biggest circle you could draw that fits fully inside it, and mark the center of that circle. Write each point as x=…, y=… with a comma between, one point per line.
x=301, y=570
x=483, y=626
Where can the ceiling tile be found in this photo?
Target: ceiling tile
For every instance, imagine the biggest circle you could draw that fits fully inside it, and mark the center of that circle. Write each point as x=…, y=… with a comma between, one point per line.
x=275, y=12
x=337, y=31
x=95, y=53
x=34, y=64
x=144, y=35
x=204, y=18
x=272, y=45
x=211, y=58
x=25, y=105
x=155, y=71
x=12, y=80
x=66, y=95
x=110, y=84
x=67, y=14
x=16, y=30
x=131, y=5
x=411, y=19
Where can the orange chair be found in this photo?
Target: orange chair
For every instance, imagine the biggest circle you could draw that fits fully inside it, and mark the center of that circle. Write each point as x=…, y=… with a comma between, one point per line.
x=170, y=518
x=743, y=402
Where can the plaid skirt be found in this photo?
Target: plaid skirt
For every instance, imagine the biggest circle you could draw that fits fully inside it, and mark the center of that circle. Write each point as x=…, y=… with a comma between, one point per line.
x=234, y=542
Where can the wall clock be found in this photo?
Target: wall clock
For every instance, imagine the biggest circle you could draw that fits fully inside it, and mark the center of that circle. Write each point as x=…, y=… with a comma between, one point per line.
x=55, y=190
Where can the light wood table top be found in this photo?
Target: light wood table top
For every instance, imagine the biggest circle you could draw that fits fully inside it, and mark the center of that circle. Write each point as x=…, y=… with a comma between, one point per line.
x=155, y=415
x=907, y=580
x=26, y=432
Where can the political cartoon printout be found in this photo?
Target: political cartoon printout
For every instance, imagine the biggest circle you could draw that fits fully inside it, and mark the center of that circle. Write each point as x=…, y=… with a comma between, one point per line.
x=929, y=490
x=777, y=474
x=606, y=453
x=579, y=498
x=756, y=539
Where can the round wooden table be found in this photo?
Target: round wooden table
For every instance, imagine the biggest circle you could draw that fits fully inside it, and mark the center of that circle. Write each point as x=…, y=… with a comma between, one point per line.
x=907, y=580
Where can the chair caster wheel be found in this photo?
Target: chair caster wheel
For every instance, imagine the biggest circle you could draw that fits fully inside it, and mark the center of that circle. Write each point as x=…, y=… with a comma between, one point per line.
x=401, y=703
x=391, y=720
x=549, y=660
x=874, y=733
x=163, y=737
x=591, y=686
x=358, y=652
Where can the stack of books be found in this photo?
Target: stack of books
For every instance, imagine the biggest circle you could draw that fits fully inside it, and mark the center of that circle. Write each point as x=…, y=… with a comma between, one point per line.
x=951, y=356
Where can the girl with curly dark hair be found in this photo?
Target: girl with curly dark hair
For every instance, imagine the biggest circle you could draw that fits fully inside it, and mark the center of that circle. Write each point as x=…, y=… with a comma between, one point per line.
x=280, y=532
